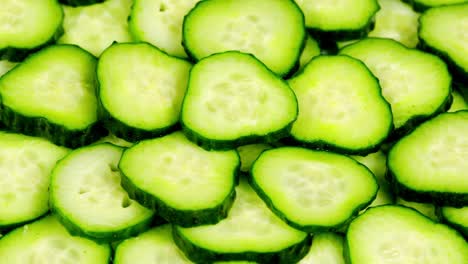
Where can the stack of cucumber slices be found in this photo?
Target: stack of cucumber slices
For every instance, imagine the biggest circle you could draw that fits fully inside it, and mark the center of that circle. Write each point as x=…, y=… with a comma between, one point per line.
x=233, y=131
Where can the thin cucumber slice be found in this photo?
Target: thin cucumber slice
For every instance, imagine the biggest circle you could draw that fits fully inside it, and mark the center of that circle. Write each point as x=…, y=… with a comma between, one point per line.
x=335, y=93
x=86, y=195
x=458, y=102
x=377, y=164
x=339, y=20
x=429, y=165
x=186, y=184
x=141, y=88
x=232, y=99
x=25, y=166
x=6, y=66
x=114, y=140
x=395, y=234
x=28, y=25
x=327, y=248
x=426, y=209
x=312, y=190
x=155, y=246
x=80, y=2
x=159, y=22
x=423, y=5
x=46, y=241
x=272, y=30
x=52, y=94
x=96, y=27
x=444, y=31
x=249, y=153
x=311, y=50
x=456, y=217
x=416, y=84
x=396, y=20
x=250, y=232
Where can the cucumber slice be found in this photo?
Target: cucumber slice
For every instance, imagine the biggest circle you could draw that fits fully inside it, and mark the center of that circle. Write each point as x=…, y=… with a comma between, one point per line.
x=335, y=93
x=25, y=166
x=311, y=50
x=141, y=88
x=184, y=183
x=422, y=5
x=377, y=164
x=80, y=2
x=96, y=27
x=249, y=153
x=232, y=99
x=28, y=25
x=86, y=195
x=396, y=20
x=426, y=209
x=159, y=22
x=326, y=248
x=443, y=31
x=52, y=95
x=339, y=20
x=47, y=241
x=456, y=217
x=458, y=102
x=417, y=85
x=429, y=165
x=6, y=66
x=114, y=140
x=396, y=234
x=312, y=190
x=250, y=232
x=272, y=30
x=155, y=246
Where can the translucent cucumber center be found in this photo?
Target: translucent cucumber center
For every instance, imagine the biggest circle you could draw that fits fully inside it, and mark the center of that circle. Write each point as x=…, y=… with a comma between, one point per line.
x=53, y=250
x=238, y=99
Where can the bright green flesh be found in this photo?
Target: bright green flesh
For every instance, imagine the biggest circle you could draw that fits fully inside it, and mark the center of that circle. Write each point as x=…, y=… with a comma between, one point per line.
x=394, y=234
x=396, y=20
x=413, y=82
x=46, y=241
x=458, y=102
x=25, y=166
x=433, y=157
x=85, y=191
x=327, y=248
x=96, y=27
x=313, y=189
x=141, y=86
x=232, y=95
x=179, y=173
x=426, y=209
x=457, y=217
x=159, y=22
x=311, y=50
x=335, y=93
x=249, y=153
x=250, y=227
x=28, y=24
x=155, y=246
x=6, y=66
x=272, y=30
x=338, y=15
x=57, y=83
x=445, y=29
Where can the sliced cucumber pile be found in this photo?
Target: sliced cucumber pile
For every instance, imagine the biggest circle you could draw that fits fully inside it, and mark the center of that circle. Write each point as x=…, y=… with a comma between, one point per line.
x=233, y=131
